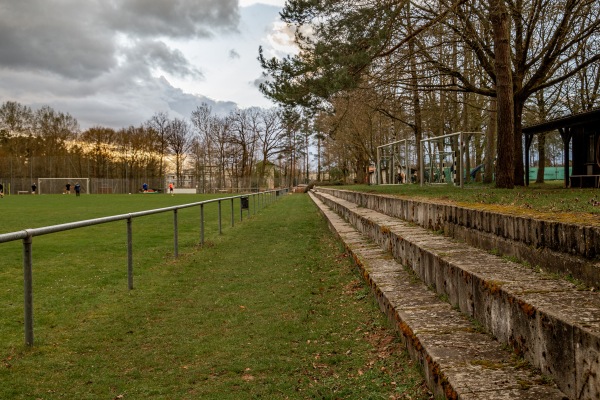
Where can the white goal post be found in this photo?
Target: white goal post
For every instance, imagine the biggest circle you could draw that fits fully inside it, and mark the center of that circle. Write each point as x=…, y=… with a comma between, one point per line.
x=59, y=185
x=396, y=162
x=444, y=153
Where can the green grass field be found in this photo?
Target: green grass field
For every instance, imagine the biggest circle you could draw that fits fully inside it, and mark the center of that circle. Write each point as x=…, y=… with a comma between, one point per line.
x=270, y=309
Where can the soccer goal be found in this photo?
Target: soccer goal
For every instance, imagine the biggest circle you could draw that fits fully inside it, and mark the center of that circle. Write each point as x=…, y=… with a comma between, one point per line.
x=59, y=185
x=396, y=162
x=443, y=159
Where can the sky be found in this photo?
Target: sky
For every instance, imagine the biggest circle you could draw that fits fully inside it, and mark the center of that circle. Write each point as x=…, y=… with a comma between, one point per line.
x=115, y=63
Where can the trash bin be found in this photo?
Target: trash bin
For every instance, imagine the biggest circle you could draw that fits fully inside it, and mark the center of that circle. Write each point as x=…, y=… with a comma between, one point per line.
x=245, y=203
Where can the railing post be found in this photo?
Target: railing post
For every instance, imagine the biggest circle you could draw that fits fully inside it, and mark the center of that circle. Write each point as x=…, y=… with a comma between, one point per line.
x=130, y=253
x=28, y=290
x=175, y=233
x=232, y=213
x=202, y=224
x=220, y=226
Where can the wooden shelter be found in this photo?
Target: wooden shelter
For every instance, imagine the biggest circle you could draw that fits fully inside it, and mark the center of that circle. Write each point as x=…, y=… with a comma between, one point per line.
x=583, y=129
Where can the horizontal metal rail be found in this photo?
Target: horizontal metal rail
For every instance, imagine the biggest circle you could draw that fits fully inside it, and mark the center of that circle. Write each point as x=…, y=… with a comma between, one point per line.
x=27, y=235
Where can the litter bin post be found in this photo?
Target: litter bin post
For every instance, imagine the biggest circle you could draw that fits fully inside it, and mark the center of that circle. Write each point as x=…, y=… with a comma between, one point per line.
x=244, y=205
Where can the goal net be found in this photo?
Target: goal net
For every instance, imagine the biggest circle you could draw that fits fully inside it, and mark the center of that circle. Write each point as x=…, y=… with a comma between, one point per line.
x=59, y=185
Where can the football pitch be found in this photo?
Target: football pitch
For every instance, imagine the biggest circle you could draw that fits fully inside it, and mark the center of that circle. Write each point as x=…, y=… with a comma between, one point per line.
x=102, y=248
x=270, y=308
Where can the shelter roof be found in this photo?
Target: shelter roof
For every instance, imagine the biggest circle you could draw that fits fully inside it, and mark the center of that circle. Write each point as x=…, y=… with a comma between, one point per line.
x=583, y=118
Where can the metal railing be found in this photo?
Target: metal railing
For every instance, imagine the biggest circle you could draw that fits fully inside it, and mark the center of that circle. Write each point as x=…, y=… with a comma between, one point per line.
x=260, y=200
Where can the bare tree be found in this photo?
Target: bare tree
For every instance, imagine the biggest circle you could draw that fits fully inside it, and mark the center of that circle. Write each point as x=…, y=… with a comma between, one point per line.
x=101, y=142
x=15, y=118
x=159, y=123
x=269, y=138
x=179, y=141
x=244, y=134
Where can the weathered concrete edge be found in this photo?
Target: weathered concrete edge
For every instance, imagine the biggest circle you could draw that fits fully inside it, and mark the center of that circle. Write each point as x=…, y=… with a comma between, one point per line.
x=574, y=367
x=441, y=378
x=562, y=248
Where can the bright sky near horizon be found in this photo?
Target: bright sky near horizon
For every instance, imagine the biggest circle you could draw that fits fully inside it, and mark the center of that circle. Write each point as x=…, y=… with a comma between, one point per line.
x=117, y=63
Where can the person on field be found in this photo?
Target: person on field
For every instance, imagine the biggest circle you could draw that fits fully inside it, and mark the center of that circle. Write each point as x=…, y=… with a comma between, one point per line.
x=33, y=188
x=68, y=187
x=145, y=187
x=1, y=190
x=77, y=189
x=171, y=187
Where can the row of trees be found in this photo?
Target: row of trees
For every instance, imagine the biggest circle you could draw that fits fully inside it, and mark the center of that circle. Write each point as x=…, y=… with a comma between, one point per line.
x=378, y=71
x=209, y=151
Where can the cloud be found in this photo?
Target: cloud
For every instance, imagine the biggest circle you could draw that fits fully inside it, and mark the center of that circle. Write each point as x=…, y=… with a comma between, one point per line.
x=40, y=35
x=281, y=39
x=157, y=56
x=119, y=102
x=80, y=39
x=173, y=18
x=116, y=62
x=259, y=81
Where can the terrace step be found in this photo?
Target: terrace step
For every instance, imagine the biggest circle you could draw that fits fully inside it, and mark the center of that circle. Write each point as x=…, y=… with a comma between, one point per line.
x=548, y=321
x=562, y=247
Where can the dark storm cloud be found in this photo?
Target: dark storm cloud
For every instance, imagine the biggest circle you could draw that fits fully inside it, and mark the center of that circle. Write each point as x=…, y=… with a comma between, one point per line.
x=156, y=55
x=134, y=105
x=102, y=61
x=81, y=39
x=39, y=35
x=173, y=18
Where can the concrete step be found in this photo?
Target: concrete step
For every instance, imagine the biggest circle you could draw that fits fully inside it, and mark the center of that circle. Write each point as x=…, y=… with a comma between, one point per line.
x=562, y=247
x=548, y=321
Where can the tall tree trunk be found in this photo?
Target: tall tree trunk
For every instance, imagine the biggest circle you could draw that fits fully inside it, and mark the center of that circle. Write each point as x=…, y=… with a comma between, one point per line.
x=467, y=137
x=318, y=158
x=518, y=105
x=505, y=165
x=418, y=125
x=490, y=143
